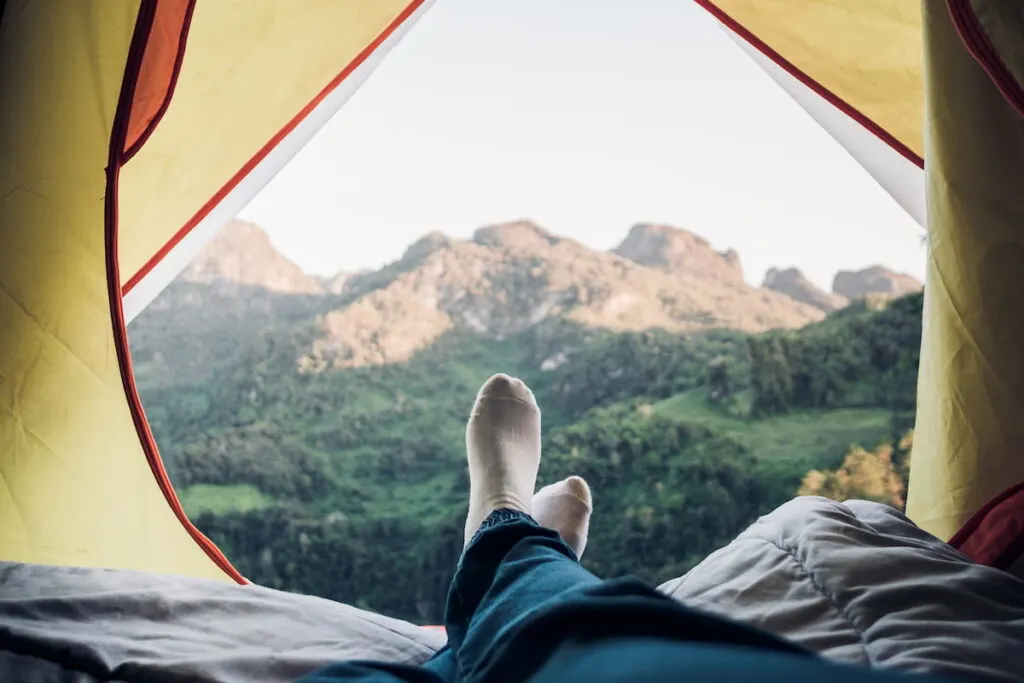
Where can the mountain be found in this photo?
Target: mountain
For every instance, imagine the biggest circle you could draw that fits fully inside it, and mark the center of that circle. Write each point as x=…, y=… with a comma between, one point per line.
x=316, y=433
x=512, y=276
x=220, y=304
x=678, y=251
x=340, y=282
x=241, y=255
x=876, y=280
x=793, y=283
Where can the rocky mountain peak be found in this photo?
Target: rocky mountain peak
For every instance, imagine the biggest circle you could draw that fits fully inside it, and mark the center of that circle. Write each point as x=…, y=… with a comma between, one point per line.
x=794, y=284
x=426, y=245
x=513, y=276
x=673, y=249
x=242, y=255
x=519, y=235
x=874, y=281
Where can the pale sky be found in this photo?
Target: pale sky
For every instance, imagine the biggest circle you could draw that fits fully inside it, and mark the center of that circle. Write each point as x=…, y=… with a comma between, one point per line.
x=586, y=116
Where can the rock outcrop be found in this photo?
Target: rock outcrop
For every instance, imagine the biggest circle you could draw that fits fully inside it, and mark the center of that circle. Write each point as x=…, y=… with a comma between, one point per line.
x=874, y=281
x=241, y=255
x=675, y=250
x=793, y=283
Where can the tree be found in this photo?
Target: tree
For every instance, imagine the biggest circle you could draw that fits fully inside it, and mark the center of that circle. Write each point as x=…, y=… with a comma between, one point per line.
x=879, y=475
x=771, y=375
x=720, y=380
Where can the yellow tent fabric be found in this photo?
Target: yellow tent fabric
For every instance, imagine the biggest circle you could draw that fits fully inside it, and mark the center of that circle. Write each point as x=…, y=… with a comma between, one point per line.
x=969, y=441
x=80, y=481
x=74, y=485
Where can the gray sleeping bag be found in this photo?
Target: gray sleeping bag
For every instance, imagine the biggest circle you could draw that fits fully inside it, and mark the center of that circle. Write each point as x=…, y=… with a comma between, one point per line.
x=856, y=582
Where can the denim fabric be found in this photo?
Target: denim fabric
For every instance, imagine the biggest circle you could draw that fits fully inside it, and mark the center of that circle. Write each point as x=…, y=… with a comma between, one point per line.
x=521, y=608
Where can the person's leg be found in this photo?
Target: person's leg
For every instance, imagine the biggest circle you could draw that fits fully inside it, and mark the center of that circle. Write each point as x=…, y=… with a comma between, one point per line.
x=478, y=575
x=511, y=568
x=563, y=507
x=519, y=594
x=517, y=575
x=503, y=452
x=373, y=672
x=514, y=571
x=664, y=661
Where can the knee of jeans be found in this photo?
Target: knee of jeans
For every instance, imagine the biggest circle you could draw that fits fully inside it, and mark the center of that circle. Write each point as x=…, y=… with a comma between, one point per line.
x=546, y=545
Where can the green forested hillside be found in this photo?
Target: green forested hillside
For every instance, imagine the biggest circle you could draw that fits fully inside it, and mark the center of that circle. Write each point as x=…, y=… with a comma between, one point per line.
x=350, y=483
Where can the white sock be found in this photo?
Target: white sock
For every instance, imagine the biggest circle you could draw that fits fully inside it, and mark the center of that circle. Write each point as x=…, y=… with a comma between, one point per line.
x=503, y=448
x=565, y=506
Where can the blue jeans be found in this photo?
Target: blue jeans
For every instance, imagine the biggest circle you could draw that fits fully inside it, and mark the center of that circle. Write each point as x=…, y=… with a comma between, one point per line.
x=521, y=608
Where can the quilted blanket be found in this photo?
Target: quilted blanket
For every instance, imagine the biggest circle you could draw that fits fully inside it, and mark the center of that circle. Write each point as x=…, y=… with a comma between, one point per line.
x=855, y=581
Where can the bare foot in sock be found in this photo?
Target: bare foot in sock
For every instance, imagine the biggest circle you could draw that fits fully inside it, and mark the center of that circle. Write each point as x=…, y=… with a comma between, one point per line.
x=565, y=506
x=503, y=448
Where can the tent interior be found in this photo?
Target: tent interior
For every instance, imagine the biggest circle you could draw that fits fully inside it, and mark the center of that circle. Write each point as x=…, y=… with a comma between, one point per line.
x=129, y=138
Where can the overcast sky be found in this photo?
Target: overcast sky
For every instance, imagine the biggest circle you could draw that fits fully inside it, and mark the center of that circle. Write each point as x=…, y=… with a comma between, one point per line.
x=586, y=116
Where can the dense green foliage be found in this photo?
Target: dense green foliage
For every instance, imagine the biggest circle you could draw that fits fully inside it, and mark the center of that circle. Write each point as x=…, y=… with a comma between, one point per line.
x=857, y=357
x=666, y=491
x=351, y=484
x=653, y=365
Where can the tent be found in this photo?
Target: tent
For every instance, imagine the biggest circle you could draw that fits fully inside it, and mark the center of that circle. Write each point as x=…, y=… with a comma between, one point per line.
x=131, y=130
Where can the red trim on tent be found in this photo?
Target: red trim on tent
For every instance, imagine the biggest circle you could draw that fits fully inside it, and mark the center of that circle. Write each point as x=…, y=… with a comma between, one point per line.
x=122, y=118
x=994, y=535
x=974, y=38
x=273, y=142
x=814, y=85
x=159, y=72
